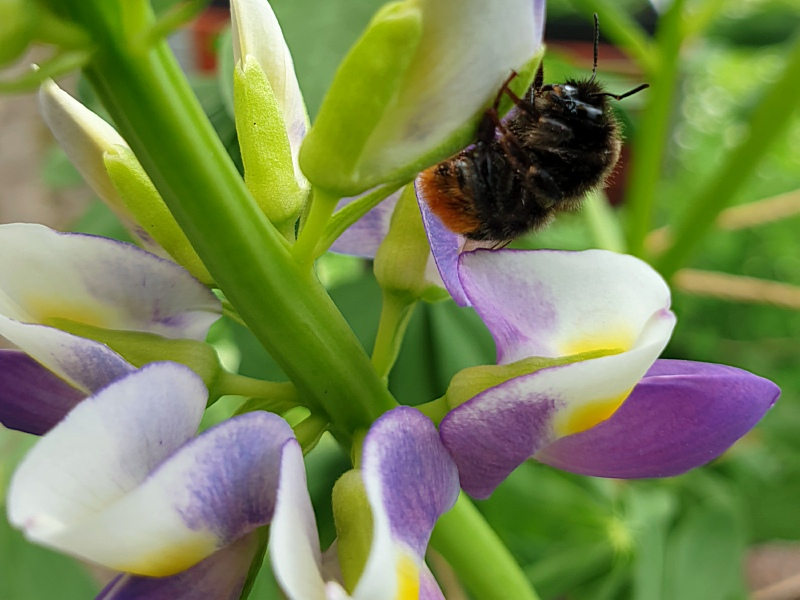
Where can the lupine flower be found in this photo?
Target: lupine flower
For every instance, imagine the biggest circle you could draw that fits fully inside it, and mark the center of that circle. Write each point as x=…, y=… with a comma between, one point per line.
x=577, y=384
x=52, y=281
x=110, y=168
x=411, y=90
x=271, y=116
x=123, y=482
x=409, y=480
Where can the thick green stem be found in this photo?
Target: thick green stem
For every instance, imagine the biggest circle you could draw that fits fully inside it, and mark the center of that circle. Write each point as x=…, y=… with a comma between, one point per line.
x=479, y=558
x=281, y=301
x=651, y=138
x=767, y=123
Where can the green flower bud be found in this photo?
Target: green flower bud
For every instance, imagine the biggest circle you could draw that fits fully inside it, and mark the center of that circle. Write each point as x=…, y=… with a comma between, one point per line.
x=141, y=200
x=354, y=527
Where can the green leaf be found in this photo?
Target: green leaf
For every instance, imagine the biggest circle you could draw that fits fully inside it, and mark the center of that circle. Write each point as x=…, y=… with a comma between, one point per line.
x=30, y=572
x=703, y=555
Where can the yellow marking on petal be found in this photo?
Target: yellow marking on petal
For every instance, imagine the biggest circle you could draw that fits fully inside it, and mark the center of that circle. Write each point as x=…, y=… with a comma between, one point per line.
x=172, y=559
x=48, y=310
x=619, y=339
x=407, y=579
x=590, y=414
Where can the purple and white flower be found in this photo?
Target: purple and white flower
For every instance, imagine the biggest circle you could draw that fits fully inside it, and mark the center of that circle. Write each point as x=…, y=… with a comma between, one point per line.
x=123, y=481
x=410, y=480
x=48, y=279
x=597, y=402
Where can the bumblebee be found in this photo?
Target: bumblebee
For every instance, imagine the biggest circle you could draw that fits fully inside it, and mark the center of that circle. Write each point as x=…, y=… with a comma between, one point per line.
x=558, y=142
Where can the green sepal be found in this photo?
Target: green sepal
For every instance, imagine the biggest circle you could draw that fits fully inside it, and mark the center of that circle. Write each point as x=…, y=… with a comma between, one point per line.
x=362, y=89
x=140, y=348
x=403, y=256
x=144, y=203
x=470, y=382
x=266, y=154
x=353, y=517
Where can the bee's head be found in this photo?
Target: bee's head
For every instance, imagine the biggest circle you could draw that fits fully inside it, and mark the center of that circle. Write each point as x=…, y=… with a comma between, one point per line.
x=584, y=99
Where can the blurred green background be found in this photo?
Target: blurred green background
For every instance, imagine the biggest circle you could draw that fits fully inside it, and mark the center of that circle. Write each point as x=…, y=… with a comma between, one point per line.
x=687, y=538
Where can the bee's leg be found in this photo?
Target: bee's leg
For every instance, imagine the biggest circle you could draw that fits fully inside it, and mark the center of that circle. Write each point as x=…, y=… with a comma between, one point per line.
x=513, y=149
x=540, y=183
x=521, y=103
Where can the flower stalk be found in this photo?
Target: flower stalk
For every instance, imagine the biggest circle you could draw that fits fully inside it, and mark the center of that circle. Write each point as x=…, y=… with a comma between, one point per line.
x=152, y=104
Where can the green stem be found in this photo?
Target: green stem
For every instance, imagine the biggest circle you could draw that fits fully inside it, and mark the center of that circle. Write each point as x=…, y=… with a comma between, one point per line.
x=282, y=302
x=475, y=552
x=351, y=213
x=651, y=138
x=618, y=26
x=309, y=431
x=395, y=315
x=603, y=223
x=769, y=120
x=322, y=207
x=233, y=384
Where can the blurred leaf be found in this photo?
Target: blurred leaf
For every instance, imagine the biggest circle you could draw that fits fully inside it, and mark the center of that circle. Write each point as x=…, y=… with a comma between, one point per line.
x=704, y=556
x=225, y=68
x=99, y=220
x=569, y=565
x=649, y=511
x=58, y=171
x=30, y=572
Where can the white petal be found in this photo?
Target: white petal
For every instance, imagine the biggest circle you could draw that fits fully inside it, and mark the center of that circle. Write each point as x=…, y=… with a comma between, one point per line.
x=550, y=303
x=294, y=542
x=45, y=275
x=84, y=136
x=467, y=50
x=104, y=448
x=256, y=32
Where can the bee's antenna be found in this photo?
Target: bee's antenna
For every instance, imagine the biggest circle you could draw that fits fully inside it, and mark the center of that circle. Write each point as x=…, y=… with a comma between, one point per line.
x=596, y=44
x=626, y=94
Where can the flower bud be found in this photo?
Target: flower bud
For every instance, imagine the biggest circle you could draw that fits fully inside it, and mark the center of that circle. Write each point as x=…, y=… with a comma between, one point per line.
x=412, y=90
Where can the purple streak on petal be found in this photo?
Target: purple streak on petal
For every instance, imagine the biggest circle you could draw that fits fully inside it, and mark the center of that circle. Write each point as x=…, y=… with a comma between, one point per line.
x=220, y=576
x=94, y=365
x=32, y=399
x=417, y=479
x=520, y=313
x=238, y=464
x=364, y=236
x=496, y=431
x=680, y=416
x=445, y=246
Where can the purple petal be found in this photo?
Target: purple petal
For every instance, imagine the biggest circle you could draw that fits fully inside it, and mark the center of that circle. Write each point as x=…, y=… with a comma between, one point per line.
x=445, y=246
x=680, y=416
x=364, y=236
x=88, y=365
x=408, y=470
x=32, y=399
x=545, y=303
x=495, y=432
x=221, y=576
